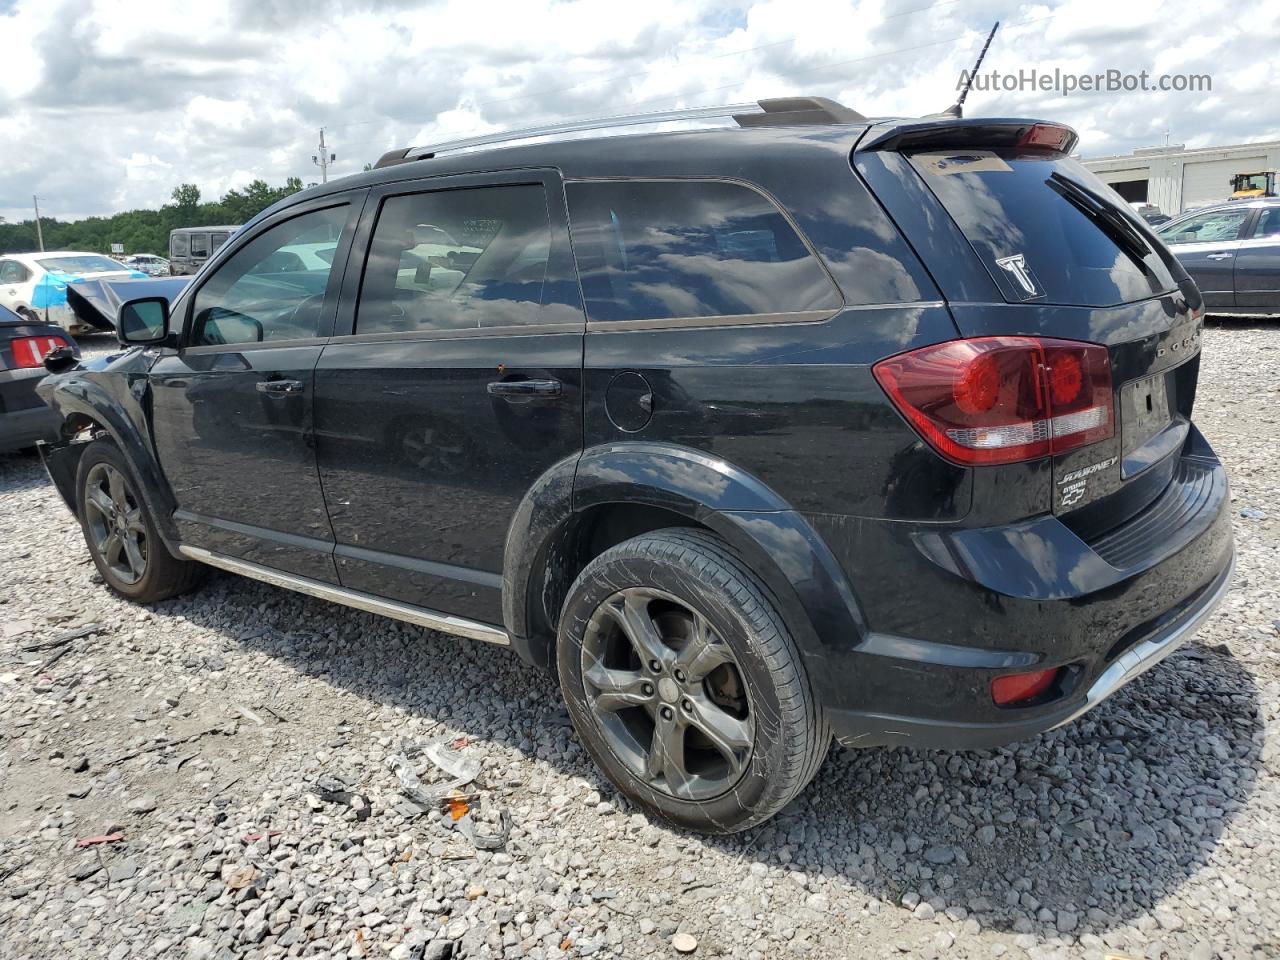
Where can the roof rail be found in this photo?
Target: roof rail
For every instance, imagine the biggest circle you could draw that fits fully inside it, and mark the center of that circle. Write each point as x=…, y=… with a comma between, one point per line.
x=762, y=113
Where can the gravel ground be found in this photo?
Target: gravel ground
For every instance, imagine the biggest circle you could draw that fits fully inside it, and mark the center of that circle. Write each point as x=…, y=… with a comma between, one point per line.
x=234, y=744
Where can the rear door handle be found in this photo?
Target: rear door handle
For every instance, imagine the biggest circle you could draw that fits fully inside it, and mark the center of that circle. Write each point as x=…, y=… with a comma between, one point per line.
x=1218, y=256
x=524, y=389
x=280, y=388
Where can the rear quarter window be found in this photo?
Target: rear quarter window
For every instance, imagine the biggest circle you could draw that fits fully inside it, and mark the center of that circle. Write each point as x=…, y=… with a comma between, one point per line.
x=1035, y=243
x=669, y=250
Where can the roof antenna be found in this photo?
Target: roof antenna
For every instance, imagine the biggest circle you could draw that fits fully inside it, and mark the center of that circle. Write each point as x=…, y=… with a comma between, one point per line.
x=957, y=109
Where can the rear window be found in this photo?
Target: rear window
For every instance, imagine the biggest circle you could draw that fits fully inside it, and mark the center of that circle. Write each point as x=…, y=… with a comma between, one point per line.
x=1016, y=209
x=178, y=246
x=655, y=250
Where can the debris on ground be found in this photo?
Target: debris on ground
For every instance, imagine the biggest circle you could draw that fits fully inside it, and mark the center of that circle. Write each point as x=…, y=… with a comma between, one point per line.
x=101, y=838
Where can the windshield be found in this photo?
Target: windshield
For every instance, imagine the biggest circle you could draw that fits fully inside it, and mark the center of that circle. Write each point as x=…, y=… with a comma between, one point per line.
x=87, y=263
x=1047, y=230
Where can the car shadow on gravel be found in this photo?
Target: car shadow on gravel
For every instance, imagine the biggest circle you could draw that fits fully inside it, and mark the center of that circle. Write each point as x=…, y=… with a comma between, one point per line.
x=1079, y=830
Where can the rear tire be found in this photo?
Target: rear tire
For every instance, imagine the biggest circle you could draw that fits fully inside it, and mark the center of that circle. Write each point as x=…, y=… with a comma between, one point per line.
x=685, y=685
x=121, y=533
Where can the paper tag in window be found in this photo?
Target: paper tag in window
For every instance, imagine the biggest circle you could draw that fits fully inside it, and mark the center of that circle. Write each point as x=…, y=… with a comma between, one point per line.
x=960, y=161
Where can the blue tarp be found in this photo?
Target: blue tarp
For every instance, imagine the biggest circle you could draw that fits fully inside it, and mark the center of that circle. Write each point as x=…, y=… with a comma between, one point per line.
x=51, y=289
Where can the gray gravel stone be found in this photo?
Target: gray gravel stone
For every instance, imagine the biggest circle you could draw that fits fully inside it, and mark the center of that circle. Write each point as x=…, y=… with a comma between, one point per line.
x=1150, y=824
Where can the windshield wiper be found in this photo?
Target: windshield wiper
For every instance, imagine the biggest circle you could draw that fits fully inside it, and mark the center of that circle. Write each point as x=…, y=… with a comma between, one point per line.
x=1108, y=219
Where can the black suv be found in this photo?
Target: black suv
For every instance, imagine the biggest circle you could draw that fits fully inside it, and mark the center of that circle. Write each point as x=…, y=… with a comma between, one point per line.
x=814, y=425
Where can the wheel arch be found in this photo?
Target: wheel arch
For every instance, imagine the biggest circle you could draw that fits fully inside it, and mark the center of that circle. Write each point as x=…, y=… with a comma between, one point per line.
x=583, y=505
x=89, y=412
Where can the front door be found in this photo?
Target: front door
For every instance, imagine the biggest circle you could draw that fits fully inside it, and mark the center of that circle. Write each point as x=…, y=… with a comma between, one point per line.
x=1206, y=246
x=1258, y=264
x=457, y=383
x=232, y=409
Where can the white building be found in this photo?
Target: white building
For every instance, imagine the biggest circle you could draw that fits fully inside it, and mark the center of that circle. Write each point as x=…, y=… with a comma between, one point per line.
x=1177, y=179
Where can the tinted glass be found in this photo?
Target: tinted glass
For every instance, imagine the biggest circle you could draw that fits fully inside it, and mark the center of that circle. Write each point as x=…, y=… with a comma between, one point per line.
x=1268, y=224
x=1215, y=226
x=650, y=250
x=12, y=272
x=273, y=288
x=1007, y=205
x=178, y=246
x=199, y=244
x=216, y=240
x=456, y=260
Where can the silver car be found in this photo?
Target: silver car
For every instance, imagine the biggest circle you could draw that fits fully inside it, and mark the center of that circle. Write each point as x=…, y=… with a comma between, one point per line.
x=1232, y=251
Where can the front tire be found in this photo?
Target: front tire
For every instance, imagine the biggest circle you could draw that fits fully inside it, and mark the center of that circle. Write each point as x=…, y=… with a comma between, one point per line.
x=120, y=532
x=685, y=685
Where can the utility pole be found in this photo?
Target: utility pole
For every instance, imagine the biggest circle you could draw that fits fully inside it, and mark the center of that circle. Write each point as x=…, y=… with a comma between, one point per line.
x=323, y=159
x=39, y=233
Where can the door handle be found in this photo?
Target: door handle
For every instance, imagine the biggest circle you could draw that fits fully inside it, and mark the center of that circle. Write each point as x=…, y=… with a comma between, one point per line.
x=524, y=389
x=280, y=388
x=1218, y=256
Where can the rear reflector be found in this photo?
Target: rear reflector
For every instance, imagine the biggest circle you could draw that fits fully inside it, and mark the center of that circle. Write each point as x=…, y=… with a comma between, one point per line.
x=30, y=351
x=1018, y=687
x=1003, y=399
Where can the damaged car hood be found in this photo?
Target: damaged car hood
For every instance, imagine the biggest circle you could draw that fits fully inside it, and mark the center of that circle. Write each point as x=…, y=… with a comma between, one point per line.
x=96, y=303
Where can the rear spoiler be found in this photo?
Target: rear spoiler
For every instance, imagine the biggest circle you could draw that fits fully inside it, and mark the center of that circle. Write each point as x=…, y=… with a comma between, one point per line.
x=96, y=303
x=944, y=132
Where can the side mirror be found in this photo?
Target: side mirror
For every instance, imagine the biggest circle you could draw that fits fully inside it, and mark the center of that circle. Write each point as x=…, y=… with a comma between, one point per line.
x=142, y=321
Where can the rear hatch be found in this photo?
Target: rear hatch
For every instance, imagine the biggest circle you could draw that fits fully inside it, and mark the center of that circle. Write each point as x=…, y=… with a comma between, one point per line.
x=1029, y=243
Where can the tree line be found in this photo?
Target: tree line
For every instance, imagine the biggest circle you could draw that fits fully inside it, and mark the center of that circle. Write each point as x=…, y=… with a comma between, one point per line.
x=146, y=231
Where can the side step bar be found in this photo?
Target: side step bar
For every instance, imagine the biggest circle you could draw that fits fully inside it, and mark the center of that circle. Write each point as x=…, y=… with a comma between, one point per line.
x=431, y=619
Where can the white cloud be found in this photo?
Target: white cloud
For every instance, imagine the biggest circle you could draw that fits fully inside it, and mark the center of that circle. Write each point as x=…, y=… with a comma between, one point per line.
x=109, y=106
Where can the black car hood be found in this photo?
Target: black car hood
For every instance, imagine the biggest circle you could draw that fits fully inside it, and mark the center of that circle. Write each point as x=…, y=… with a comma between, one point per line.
x=97, y=302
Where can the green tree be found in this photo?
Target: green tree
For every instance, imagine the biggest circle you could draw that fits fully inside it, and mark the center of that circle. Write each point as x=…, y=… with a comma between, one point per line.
x=186, y=196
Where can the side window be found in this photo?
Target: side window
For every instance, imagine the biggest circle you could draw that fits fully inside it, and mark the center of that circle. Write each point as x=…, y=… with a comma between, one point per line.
x=216, y=240
x=1215, y=227
x=456, y=260
x=199, y=244
x=650, y=250
x=178, y=245
x=272, y=288
x=1268, y=225
x=11, y=271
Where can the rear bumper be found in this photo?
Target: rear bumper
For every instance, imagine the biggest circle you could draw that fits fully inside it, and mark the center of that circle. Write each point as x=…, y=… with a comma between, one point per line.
x=954, y=609
x=857, y=728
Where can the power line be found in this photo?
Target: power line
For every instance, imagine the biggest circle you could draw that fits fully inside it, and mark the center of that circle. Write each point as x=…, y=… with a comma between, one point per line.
x=668, y=98
x=826, y=66
x=644, y=73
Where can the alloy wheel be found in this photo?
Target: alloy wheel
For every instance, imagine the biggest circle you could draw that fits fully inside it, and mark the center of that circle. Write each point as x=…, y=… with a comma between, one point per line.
x=117, y=531
x=667, y=693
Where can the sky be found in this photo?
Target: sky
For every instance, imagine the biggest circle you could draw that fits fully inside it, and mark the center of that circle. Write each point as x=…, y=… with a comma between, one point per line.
x=109, y=104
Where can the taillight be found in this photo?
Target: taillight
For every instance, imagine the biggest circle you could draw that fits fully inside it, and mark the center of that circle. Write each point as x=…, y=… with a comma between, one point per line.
x=1003, y=399
x=30, y=351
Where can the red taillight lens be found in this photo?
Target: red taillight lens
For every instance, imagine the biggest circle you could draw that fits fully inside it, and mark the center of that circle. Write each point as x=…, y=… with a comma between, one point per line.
x=1006, y=691
x=30, y=351
x=1003, y=399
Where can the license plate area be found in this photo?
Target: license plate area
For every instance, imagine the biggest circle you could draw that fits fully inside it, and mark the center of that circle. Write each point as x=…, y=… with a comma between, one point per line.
x=1146, y=409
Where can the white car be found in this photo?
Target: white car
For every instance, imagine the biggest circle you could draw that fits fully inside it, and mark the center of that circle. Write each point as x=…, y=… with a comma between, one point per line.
x=35, y=284
x=148, y=263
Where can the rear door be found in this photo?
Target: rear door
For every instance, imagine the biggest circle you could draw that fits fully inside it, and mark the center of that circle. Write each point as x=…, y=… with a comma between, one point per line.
x=1258, y=264
x=1207, y=244
x=454, y=383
